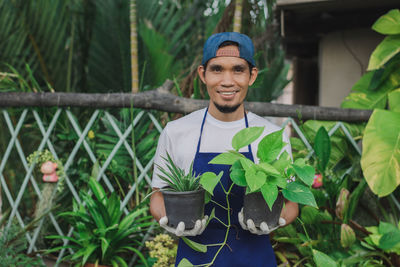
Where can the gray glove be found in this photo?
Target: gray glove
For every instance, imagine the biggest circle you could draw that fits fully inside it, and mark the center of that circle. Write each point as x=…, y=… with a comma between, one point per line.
x=264, y=228
x=198, y=229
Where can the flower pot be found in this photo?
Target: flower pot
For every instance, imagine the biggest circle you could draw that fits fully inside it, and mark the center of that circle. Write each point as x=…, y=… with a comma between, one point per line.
x=255, y=208
x=187, y=207
x=50, y=178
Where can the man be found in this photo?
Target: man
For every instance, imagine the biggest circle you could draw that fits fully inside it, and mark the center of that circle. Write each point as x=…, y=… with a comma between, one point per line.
x=227, y=70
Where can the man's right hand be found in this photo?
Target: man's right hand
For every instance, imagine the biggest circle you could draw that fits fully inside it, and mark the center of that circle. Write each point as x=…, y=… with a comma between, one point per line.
x=198, y=229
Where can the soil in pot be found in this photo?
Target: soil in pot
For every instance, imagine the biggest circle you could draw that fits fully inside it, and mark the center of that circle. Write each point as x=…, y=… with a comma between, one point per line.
x=187, y=207
x=255, y=208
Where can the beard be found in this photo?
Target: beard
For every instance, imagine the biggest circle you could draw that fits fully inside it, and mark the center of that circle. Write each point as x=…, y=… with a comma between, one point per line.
x=226, y=108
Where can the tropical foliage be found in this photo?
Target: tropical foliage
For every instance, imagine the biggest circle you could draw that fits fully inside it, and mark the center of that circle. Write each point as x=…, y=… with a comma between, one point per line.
x=103, y=234
x=379, y=89
x=84, y=46
x=273, y=173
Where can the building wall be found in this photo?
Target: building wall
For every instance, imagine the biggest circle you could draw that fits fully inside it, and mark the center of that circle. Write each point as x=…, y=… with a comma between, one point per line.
x=343, y=58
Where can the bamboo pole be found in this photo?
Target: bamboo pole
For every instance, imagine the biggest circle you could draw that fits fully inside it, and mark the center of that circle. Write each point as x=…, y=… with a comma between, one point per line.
x=134, y=48
x=237, y=17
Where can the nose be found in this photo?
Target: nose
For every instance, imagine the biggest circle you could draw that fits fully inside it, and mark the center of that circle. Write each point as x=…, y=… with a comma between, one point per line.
x=227, y=79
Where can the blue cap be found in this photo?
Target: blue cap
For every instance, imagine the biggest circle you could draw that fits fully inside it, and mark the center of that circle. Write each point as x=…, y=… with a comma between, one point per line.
x=246, y=48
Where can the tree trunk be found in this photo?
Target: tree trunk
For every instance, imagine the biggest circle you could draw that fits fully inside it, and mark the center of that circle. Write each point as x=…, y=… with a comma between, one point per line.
x=162, y=100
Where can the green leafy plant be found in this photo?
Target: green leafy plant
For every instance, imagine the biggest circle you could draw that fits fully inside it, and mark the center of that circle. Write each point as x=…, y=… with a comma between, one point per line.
x=102, y=233
x=178, y=180
x=386, y=236
x=13, y=246
x=164, y=249
x=379, y=89
x=274, y=171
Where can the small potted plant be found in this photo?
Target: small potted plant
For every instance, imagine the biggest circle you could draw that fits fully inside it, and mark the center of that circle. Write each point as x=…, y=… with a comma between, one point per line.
x=184, y=197
x=103, y=234
x=273, y=178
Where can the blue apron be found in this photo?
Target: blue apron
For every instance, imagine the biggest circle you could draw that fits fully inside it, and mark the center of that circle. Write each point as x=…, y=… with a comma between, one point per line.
x=243, y=248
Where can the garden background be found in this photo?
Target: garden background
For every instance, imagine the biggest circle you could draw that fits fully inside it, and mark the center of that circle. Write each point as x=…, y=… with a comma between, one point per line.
x=112, y=48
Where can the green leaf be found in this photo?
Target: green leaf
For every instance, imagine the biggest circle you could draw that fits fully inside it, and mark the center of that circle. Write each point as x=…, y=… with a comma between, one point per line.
x=385, y=228
x=386, y=50
x=394, y=100
x=281, y=182
x=389, y=240
x=270, y=193
x=322, y=148
x=207, y=197
x=283, y=162
x=185, y=263
x=98, y=190
x=309, y=215
x=237, y=174
x=209, y=180
x=268, y=169
x=321, y=259
x=227, y=158
x=211, y=216
x=301, y=162
x=255, y=179
x=246, y=136
x=305, y=173
x=362, y=98
x=299, y=193
x=270, y=147
x=247, y=164
x=194, y=245
x=380, y=159
x=388, y=23
x=88, y=251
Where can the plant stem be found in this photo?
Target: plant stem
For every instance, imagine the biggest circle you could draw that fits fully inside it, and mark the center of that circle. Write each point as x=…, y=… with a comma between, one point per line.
x=305, y=231
x=135, y=176
x=228, y=226
x=216, y=203
x=213, y=245
x=226, y=193
x=221, y=221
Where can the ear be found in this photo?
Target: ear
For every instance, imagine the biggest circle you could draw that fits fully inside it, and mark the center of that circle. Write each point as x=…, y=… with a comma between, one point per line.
x=253, y=76
x=201, y=71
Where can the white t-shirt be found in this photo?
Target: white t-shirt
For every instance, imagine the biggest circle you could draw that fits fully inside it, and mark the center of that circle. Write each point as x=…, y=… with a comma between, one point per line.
x=180, y=139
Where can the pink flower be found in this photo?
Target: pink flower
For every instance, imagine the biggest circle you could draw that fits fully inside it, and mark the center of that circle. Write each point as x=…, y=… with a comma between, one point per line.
x=317, y=181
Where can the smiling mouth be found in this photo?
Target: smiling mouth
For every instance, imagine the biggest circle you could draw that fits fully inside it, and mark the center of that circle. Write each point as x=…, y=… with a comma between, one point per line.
x=228, y=92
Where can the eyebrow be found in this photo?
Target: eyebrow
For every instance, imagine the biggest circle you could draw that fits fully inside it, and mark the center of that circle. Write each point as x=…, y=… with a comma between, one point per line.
x=219, y=66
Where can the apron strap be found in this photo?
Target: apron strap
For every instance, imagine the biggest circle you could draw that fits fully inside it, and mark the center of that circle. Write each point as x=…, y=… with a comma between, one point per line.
x=247, y=126
x=202, y=126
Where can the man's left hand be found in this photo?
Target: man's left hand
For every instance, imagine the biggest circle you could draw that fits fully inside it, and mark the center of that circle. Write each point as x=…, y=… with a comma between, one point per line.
x=264, y=229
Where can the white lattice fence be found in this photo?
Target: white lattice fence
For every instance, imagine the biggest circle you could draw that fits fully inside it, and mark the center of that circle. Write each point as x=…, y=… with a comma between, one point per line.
x=66, y=136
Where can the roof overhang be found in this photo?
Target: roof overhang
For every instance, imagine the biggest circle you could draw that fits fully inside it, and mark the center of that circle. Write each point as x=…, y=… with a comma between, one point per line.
x=303, y=22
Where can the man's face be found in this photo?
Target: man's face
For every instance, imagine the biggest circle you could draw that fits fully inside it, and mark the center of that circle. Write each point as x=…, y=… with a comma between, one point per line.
x=227, y=80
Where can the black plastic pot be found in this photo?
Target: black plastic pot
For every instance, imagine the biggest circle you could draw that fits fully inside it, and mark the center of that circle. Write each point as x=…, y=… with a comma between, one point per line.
x=187, y=207
x=255, y=208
